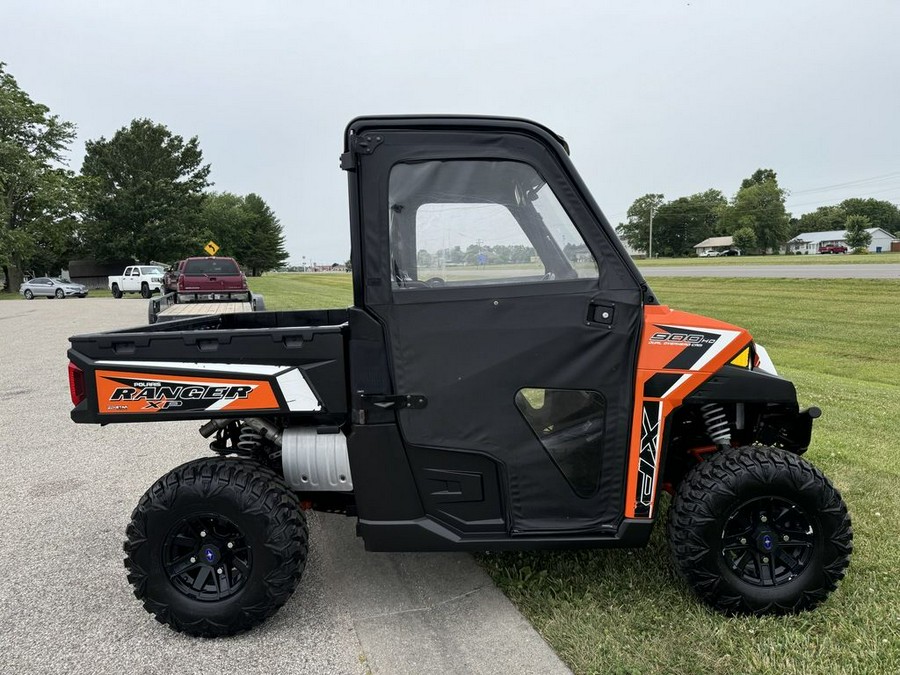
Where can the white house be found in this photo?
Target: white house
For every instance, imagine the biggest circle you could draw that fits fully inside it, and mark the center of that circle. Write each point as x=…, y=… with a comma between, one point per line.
x=714, y=244
x=809, y=242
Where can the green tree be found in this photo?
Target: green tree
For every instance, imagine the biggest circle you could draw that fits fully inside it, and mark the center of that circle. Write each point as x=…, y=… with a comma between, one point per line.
x=148, y=194
x=823, y=219
x=684, y=222
x=857, y=238
x=264, y=246
x=879, y=212
x=224, y=220
x=759, y=204
x=636, y=230
x=39, y=198
x=744, y=239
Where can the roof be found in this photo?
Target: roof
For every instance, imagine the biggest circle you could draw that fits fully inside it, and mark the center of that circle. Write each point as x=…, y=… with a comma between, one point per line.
x=715, y=241
x=832, y=235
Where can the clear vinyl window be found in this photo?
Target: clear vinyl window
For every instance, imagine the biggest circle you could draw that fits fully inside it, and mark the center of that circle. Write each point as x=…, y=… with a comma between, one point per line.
x=480, y=222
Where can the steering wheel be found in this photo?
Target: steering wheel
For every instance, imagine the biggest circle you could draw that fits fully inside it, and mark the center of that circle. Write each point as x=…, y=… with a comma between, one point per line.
x=435, y=282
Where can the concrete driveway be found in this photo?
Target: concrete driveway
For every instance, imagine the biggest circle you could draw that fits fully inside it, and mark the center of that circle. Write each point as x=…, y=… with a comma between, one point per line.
x=65, y=605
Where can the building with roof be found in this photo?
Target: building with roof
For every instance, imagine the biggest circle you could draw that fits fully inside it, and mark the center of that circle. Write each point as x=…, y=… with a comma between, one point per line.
x=810, y=242
x=714, y=244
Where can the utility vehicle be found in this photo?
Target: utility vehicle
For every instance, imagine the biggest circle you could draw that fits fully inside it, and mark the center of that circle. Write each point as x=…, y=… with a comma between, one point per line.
x=505, y=379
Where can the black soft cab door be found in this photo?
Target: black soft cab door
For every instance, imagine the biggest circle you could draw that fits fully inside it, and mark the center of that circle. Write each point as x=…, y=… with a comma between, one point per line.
x=508, y=304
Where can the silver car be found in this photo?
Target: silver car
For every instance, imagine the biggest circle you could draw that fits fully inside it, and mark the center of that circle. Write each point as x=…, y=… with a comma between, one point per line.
x=51, y=288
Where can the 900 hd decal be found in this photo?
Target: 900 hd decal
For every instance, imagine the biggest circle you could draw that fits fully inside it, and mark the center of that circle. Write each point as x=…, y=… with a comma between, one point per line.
x=121, y=392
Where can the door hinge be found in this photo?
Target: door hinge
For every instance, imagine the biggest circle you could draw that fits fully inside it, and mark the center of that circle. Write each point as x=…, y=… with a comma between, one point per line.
x=393, y=401
x=360, y=144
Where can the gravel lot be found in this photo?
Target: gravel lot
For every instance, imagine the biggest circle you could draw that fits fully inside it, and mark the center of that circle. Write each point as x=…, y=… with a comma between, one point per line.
x=65, y=605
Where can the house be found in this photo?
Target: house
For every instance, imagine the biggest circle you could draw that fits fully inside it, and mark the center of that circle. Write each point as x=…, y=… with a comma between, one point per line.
x=809, y=242
x=714, y=244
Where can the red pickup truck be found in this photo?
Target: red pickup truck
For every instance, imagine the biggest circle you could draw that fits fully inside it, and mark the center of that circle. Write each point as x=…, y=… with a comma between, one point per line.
x=210, y=278
x=833, y=248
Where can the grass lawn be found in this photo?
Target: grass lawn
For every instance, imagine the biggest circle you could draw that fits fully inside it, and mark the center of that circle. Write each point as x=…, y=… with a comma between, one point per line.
x=878, y=258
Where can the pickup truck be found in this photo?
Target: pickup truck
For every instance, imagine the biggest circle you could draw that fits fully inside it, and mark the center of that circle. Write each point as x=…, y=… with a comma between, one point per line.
x=210, y=278
x=532, y=395
x=832, y=248
x=143, y=279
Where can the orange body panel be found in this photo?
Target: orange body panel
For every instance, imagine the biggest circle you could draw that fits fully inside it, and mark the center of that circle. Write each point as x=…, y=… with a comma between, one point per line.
x=124, y=392
x=678, y=352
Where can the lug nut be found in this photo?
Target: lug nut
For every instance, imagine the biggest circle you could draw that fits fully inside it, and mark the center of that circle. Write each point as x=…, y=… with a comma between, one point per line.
x=219, y=571
x=203, y=532
x=765, y=559
x=230, y=544
x=786, y=538
x=743, y=540
x=193, y=559
x=763, y=519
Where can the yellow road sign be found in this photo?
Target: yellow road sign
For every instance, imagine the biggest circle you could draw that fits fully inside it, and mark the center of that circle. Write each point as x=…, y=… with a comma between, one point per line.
x=212, y=247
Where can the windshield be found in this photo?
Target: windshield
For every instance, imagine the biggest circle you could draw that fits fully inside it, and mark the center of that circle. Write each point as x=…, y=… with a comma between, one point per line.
x=203, y=266
x=151, y=270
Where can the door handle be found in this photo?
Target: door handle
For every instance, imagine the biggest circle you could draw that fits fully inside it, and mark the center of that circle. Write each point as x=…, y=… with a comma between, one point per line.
x=601, y=314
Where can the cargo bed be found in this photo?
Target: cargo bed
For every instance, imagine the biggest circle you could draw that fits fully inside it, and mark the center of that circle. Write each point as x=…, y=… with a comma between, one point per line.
x=224, y=365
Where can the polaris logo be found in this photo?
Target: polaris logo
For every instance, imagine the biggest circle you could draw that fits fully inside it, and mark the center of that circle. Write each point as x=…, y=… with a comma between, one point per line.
x=190, y=392
x=690, y=339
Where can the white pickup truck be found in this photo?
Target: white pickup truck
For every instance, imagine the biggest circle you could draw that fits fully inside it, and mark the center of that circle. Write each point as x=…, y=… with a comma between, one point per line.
x=143, y=279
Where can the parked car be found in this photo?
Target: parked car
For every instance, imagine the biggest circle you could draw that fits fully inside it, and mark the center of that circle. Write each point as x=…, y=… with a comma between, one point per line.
x=170, y=278
x=832, y=248
x=51, y=287
x=708, y=254
x=143, y=279
x=211, y=278
x=729, y=252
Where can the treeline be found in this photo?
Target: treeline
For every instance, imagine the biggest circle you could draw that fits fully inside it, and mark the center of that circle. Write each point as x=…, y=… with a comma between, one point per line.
x=755, y=217
x=141, y=195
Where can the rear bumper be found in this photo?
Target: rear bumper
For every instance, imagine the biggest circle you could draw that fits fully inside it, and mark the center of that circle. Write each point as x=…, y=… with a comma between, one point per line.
x=214, y=296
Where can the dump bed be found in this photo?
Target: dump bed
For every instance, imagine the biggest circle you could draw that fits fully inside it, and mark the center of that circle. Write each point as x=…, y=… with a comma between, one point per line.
x=228, y=365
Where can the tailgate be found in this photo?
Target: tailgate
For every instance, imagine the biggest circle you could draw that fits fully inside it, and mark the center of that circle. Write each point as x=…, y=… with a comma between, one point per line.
x=184, y=374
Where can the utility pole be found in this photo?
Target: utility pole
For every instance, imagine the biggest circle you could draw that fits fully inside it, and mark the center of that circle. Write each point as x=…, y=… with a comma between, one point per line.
x=650, y=253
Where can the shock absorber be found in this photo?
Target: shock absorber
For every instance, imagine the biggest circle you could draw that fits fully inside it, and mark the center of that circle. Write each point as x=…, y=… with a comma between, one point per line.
x=249, y=440
x=717, y=425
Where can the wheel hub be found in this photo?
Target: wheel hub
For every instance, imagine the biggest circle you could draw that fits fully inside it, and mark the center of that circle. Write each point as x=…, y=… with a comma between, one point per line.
x=767, y=541
x=207, y=557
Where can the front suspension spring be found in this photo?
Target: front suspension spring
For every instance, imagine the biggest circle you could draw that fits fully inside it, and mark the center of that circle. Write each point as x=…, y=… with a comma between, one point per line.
x=717, y=425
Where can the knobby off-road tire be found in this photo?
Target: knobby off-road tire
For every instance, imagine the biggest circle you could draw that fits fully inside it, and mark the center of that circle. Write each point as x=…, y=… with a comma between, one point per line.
x=252, y=528
x=780, y=495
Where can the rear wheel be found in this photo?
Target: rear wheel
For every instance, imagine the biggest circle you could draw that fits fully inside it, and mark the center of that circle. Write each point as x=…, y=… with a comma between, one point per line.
x=759, y=530
x=116, y=291
x=145, y=290
x=216, y=546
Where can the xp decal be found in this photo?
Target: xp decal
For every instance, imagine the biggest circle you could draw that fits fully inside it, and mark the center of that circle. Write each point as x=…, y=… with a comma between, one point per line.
x=120, y=392
x=678, y=353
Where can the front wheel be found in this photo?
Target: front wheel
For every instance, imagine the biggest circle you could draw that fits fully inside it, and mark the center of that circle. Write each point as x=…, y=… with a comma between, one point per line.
x=216, y=546
x=116, y=291
x=60, y=294
x=758, y=530
x=28, y=294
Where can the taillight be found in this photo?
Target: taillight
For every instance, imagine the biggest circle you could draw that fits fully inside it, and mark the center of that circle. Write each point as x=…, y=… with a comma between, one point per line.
x=180, y=282
x=76, y=384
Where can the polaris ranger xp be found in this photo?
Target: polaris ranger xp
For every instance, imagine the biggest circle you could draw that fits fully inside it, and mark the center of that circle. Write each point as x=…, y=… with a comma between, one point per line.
x=505, y=379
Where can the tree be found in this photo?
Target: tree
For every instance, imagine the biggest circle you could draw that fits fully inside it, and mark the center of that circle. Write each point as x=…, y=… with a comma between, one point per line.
x=857, y=238
x=744, y=239
x=823, y=219
x=636, y=230
x=879, y=212
x=264, y=249
x=39, y=198
x=681, y=224
x=148, y=193
x=759, y=204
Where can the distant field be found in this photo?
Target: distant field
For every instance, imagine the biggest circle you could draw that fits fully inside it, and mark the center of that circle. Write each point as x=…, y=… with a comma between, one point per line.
x=844, y=259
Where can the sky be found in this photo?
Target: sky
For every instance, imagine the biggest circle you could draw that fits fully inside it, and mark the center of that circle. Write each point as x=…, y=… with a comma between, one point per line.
x=666, y=97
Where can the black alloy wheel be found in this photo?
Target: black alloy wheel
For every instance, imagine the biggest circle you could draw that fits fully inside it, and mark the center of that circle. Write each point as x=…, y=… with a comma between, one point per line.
x=207, y=557
x=768, y=541
x=759, y=530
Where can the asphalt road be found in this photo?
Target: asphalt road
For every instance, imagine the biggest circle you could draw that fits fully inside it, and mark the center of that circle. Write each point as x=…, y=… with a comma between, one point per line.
x=860, y=271
x=66, y=607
